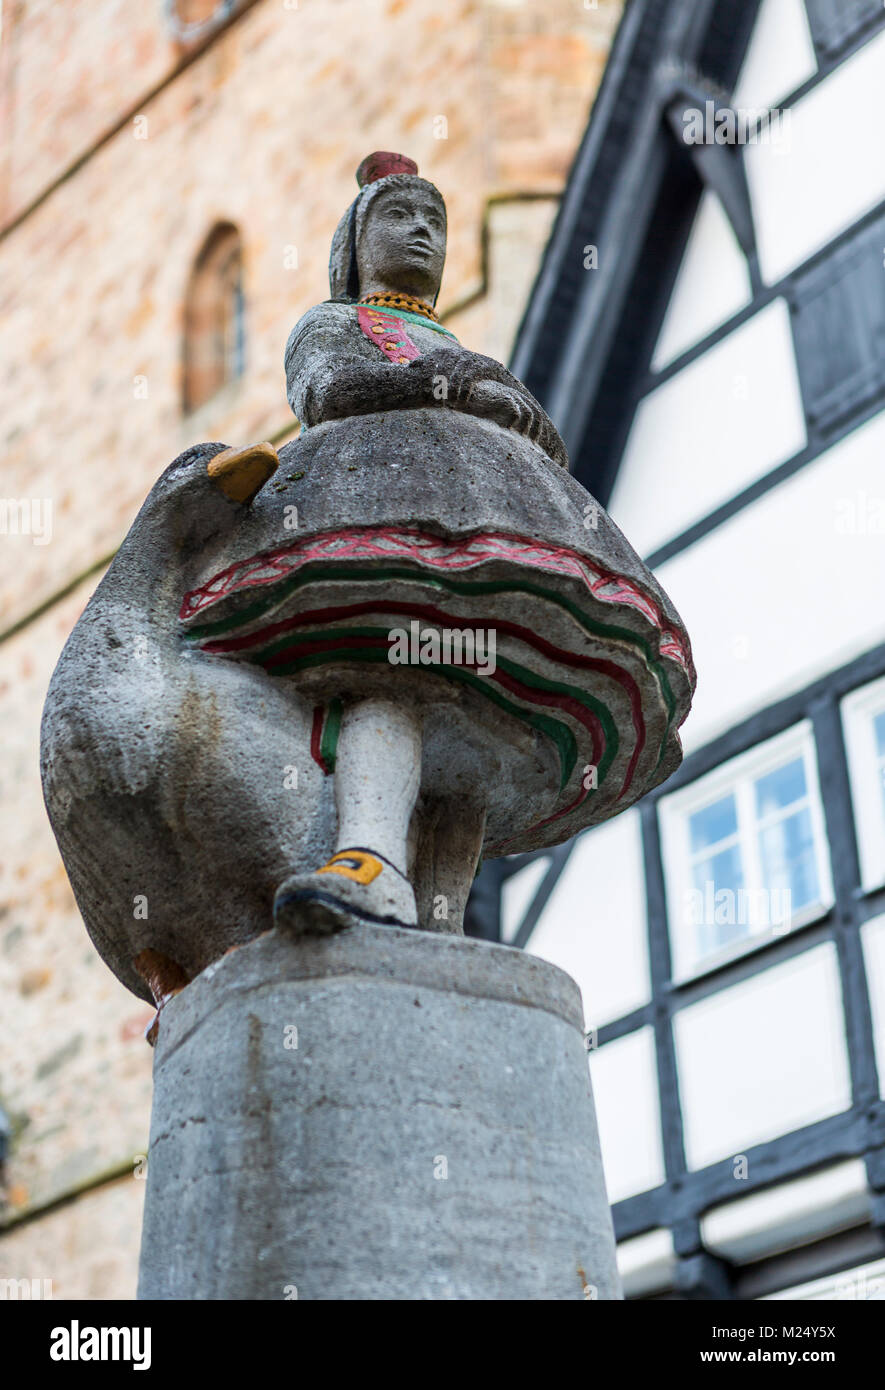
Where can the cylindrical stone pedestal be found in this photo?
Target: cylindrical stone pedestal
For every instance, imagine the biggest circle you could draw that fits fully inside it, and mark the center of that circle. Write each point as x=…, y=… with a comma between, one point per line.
x=381, y=1114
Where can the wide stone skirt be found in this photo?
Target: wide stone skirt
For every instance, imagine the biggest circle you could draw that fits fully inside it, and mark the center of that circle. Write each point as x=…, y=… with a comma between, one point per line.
x=421, y=521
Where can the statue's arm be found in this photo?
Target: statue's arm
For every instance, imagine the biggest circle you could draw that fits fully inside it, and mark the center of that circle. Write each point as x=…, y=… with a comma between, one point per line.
x=327, y=381
x=335, y=388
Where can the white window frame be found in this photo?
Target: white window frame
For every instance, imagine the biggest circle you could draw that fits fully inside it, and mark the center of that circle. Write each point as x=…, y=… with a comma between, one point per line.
x=737, y=776
x=858, y=712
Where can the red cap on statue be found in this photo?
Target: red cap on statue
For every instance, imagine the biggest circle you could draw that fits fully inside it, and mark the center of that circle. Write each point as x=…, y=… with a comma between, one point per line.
x=381, y=163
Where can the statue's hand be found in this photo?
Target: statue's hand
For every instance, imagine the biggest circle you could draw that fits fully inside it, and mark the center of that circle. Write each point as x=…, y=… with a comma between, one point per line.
x=451, y=374
x=517, y=410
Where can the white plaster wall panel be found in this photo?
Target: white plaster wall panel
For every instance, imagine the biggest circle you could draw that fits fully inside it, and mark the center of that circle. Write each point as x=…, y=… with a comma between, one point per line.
x=720, y=423
x=827, y=171
x=625, y=1090
x=788, y=588
x=762, y=1058
x=780, y=56
x=712, y=285
x=517, y=895
x=594, y=923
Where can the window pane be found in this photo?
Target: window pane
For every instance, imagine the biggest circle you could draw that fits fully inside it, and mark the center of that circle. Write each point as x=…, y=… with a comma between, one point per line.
x=788, y=863
x=743, y=849
x=722, y=870
x=781, y=788
x=717, y=921
x=714, y=823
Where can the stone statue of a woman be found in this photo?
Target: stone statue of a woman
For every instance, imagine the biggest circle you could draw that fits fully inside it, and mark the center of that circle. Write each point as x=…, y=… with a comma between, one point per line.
x=385, y=272
x=424, y=617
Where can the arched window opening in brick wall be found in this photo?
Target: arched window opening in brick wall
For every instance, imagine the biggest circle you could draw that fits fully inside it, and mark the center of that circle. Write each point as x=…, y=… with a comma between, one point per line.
x=214, y=345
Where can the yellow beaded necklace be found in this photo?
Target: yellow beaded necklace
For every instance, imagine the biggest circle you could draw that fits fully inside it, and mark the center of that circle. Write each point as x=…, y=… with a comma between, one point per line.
x=407, y=302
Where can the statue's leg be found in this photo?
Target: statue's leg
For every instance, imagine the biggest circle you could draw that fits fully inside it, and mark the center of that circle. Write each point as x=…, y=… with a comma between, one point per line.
x=377, y=775
x=447, y=851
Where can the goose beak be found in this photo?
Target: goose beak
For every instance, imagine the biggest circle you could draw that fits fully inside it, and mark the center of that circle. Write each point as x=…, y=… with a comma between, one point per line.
x=242, y=473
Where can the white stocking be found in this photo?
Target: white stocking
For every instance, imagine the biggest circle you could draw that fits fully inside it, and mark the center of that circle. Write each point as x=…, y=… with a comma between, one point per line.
x=377, y=775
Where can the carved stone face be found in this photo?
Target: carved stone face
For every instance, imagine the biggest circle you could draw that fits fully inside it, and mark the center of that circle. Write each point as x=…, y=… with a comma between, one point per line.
x=402, y=244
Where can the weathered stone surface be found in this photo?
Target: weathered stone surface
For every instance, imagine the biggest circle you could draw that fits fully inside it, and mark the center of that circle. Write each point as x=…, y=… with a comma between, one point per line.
x=381, y=1114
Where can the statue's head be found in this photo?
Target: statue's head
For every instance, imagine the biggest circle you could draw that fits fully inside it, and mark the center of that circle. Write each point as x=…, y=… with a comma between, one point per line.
x=393, y=236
